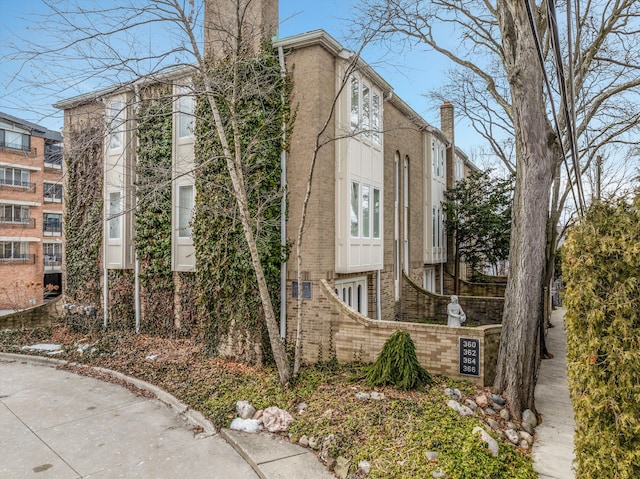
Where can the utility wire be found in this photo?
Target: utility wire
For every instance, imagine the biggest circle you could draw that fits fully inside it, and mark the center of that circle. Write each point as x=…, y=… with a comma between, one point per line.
x=536, y=38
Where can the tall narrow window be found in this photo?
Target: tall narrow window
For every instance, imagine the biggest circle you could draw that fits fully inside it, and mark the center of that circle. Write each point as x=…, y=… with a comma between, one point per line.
x=366, y=211
x=115, y=212
x=366, y=110
x=439, y=227
x=185, y=113
x=405, y=186
x=375, y=117
x=185, y=210
x=116, y=124
x=433, y=227
x=355, y=103
x=355, y=213
x=376, y=213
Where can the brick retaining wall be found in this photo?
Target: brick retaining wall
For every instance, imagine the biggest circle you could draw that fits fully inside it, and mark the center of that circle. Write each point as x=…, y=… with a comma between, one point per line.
x=35, y=317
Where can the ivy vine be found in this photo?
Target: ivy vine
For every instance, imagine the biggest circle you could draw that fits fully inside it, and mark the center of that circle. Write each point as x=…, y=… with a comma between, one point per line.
x=225, y=278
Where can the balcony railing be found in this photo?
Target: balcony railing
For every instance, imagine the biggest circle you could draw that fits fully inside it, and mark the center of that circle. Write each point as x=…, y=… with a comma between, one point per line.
x=19, y=259
x=24, y=223
x=52, y=262
x=52, y=229
x=52, y=199
x=22, y=186
x=14, y=146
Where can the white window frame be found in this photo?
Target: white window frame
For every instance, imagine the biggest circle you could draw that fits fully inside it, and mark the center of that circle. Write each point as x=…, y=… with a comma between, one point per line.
x=114, y=215
x=185, y=213
x=185, y=106
x=354, y=209
x=354, y=293
x=116, y=120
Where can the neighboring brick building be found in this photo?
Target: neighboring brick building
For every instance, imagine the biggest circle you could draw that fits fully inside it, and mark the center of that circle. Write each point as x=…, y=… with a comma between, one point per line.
x=30, y=212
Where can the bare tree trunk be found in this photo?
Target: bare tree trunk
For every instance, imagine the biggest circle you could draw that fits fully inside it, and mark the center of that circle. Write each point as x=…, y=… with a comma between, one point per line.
x=234, y=166
x=519, y=355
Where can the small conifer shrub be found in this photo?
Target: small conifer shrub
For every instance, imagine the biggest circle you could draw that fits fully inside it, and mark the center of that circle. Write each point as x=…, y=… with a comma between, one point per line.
x=398, y=365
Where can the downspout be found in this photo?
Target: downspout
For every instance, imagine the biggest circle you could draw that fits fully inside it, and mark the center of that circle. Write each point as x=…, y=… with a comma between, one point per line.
x=283, y=212
x=105, y=271
x=378, y=297
x=136, y=263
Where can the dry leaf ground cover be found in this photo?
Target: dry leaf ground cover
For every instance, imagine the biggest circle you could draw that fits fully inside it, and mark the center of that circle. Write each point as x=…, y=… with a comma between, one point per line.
x=393, y=434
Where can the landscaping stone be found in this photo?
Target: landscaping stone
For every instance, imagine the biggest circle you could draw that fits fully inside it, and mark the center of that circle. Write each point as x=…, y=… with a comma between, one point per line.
x=245, y=409
x=491, y=443
x=376, y=396
x=364, y=467
x=489, y=412
x=482, y=401
x=498, y=399
x=471, y=404
x=314, y=442
x=246, y=425
x=504, y=414
x=362, y=396
x=342, y=467
x=525, y=436
x=529, y=421
x=302, y=407
x=304, y=441
x=524, y=445
x=432, y=456
x=462, y=410
x=453, y=393
x=276, y=419
x=493, y=424
x=438, y=474
x=512, y=435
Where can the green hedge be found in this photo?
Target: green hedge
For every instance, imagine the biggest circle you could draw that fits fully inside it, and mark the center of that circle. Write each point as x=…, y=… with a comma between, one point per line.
x=601, y=267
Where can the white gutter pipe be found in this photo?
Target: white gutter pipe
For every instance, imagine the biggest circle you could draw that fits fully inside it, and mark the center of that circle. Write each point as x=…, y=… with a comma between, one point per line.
x=283, y=214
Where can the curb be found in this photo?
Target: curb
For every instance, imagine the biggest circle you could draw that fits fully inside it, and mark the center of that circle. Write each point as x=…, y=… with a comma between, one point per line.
x=191, y=416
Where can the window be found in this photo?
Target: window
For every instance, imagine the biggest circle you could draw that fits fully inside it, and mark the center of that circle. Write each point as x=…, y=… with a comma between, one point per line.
x=185, y=113
x=433, y=227
x=53, y=155
x=185, y=210
x=15, y=177
x=116, y=124
x=376, y=213
x=52, y=224
x=439, y=226
x=366, y=211
x=366, y=110
x=355, y=213
x=14, y=214
x=14, y=250
x=115, y=212
x=52, y=254
x=52, y=192
x=352, y=292
x=355, y=103
x=15, y=140
x=375, y=117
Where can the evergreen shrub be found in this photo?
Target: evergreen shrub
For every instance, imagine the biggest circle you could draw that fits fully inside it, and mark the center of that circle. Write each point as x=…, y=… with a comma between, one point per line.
x=397, y=365
x=601, y=267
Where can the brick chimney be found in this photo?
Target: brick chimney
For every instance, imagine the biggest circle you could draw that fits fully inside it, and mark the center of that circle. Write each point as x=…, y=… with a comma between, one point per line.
x=446, y=120
x=228, y=20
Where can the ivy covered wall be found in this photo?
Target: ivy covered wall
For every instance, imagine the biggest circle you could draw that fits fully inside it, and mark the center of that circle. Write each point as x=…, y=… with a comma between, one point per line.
x=225, y=280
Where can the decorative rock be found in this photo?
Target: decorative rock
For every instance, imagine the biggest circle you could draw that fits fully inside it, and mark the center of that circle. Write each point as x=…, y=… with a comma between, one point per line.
x=493, y=424
x=512, y=435
x=489, y=411
x=327, y=444
x=432, y=456
x=504, y=414
x=471, y=404
x=376, y=396
x=525, y=436
x=482, y=401
x=150, y=357
x=302, y=407
x=511, y=425
x=342, y=467
x=246, y=425
x=43, y=347
x=276, y=419
x=438, y=474
x=245, y=409
x=491, y=443
x=314, y=442
x=364, y=467
x=360, y=396
x=258, y=414
x=462, y=410
x=304, y=441
x=453, y=393
x=497, y=399
x=496, y=407
x=524, y=445
x=529, y=421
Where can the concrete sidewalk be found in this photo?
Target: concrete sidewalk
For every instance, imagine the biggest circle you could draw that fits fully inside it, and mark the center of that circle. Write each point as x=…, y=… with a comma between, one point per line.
x=56, y=424
x=553, y=451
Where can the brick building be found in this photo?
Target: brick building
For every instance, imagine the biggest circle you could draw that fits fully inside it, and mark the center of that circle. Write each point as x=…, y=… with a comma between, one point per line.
x=30, y=211
x=375, y=220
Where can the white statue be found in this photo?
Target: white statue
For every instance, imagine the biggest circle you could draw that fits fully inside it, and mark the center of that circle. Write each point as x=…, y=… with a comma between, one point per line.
x=455, y=314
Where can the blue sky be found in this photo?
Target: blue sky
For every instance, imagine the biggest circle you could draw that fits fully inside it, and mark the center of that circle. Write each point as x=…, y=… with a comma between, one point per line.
x=411, y=73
